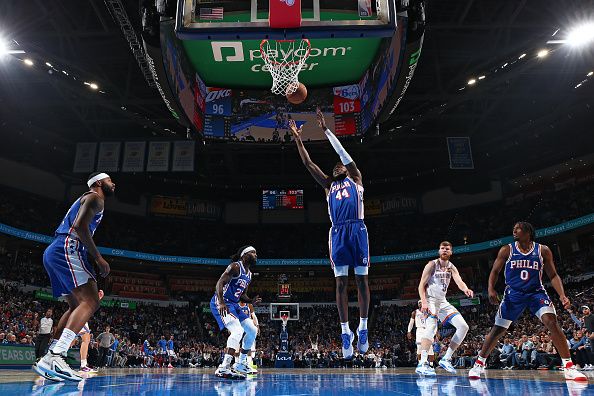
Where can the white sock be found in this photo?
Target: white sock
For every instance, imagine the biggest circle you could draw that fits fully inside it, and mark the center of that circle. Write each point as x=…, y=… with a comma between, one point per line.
x=448, y=354
x=242, y=357
x=424, y=355
x=362, y=324
x=345, y=328
x=64, y=342
x=53, y=344
x=565, y=361
x=227, y=360
x=83, y=363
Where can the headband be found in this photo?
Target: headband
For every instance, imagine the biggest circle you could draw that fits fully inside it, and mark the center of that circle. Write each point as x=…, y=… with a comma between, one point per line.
x=93, y=179
x=247, y=250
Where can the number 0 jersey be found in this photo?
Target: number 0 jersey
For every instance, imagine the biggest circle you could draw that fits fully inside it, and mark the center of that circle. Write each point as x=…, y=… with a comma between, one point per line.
x=437, y=285
x=345, y=201
x=233, y=290
x=523, y=272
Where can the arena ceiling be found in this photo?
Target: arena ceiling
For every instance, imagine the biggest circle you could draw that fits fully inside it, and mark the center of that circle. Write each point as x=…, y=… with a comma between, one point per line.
x=521, y=117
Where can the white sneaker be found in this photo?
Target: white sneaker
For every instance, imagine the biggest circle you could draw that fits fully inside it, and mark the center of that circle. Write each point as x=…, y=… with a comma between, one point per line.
x=446, y=364
x=228, y=373
x=55, y=365
x=46, y=375
x=243, y=368
x=571, y=373
x=362, y=340
x=425, y=369
x=347, y=345
x=476, y=371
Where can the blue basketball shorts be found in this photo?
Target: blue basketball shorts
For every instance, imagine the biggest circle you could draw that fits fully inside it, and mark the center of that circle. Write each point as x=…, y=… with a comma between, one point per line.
x=235, y=313
x=67, y=265
x=515, y=302
x=348, y=244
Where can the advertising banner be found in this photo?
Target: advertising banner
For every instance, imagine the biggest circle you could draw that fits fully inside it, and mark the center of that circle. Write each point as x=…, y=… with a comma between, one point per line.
x=84, y=160
x=16, y=355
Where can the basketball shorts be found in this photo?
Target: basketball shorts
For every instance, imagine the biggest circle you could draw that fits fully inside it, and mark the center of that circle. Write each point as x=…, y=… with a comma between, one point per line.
x=439, y=309
x=515, y=302
x=67, y=265
x=348, y=244
x=235, y=312
x=171, y=353
x=85, y=330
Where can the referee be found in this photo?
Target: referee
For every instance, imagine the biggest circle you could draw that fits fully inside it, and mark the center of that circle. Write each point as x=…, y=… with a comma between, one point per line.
x=46, y=325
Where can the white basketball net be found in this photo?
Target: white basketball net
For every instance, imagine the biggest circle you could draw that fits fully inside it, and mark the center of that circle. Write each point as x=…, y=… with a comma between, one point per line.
x=285, y=319
x=284, y=60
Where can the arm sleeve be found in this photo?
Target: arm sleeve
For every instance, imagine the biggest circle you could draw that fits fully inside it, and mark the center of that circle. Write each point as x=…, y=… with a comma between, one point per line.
x=345, y=158
x=411, y=324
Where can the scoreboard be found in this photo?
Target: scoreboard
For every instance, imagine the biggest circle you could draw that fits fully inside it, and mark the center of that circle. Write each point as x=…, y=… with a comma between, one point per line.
x=282, y=199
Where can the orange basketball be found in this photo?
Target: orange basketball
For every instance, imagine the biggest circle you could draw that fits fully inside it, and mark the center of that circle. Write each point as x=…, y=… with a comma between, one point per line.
x=298, y=96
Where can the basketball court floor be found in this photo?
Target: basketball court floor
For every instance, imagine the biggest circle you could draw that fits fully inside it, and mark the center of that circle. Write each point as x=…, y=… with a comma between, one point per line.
x=402, y=381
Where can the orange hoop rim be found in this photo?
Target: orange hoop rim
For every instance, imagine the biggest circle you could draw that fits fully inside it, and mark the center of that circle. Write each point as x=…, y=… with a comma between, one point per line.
x=277, y=63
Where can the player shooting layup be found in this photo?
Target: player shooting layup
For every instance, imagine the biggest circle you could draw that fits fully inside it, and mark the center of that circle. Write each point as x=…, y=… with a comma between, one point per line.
x=348, y=241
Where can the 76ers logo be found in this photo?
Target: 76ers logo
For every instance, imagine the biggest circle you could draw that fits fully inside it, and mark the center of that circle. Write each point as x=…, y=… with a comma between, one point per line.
x=290, y=3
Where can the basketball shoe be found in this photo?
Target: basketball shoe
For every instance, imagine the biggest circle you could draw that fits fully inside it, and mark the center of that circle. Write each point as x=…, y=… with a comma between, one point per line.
x=476, y=371
x=244, y=368
x=446, y=364
x=425, y=369
x=362, y=341
x=227, y=373
x=571, y=373
x=54, y=365
x=347, y=345
x=46, y=375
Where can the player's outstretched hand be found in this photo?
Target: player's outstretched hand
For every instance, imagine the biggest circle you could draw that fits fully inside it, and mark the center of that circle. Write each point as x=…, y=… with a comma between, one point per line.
x=493, y=297
x=256, y=300
x=566, y=303
x=103, y=267
x=223, y=309
x=293, y=127
x=469, y=293
x=321, y=119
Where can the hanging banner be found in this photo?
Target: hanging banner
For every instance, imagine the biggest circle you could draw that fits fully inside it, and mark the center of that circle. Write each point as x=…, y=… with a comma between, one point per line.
x=460, y=153
x=134, y=157
x=158, y=157
x=84, y=160
x=109, y=157
x=183, y=156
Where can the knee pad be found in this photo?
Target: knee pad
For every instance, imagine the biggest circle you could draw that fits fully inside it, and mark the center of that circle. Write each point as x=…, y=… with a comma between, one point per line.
x=251, y=331
x=236, y=331
x=461, y=329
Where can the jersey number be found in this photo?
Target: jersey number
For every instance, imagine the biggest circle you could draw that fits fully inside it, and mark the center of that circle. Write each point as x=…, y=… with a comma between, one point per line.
x=342, y=193
x=238, y=293
x=524, y=275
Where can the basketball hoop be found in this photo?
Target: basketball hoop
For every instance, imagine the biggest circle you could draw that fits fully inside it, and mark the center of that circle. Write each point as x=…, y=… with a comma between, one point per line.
x=284, y=60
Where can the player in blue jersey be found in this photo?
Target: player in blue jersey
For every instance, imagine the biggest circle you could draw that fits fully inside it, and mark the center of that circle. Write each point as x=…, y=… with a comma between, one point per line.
x=224, y=305
x=524, y=261
x=348, y=242
x=71, y=274
x=171, y=351
x=162, y=349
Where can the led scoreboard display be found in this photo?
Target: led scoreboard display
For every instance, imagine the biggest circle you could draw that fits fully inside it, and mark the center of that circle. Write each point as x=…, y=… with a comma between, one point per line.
x=282, y=199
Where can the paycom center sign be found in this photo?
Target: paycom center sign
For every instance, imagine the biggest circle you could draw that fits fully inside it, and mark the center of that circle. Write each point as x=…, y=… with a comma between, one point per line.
x=240, y=64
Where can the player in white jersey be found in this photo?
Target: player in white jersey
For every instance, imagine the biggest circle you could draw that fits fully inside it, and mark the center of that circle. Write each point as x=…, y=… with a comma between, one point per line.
x=417, y=320
x=85, y=341
x=433, y=289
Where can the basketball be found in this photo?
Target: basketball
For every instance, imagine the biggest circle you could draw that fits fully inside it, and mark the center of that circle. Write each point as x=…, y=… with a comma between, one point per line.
x=298, y=96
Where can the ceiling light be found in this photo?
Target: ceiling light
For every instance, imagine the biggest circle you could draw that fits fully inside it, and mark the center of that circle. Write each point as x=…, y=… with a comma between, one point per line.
x=93, y=86
x=28, y=62
x=472, y=81
x=481, y=77
x=3, y=47
x=48, y=64
x=521, y=56
x=581, y=35
x=542, y=53
x=590, y=74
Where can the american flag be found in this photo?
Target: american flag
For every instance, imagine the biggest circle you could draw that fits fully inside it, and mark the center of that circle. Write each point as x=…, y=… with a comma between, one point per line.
x=211, y=13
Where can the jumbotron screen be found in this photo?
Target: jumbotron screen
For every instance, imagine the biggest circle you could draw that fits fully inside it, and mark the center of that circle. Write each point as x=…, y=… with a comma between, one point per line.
x=282, y=199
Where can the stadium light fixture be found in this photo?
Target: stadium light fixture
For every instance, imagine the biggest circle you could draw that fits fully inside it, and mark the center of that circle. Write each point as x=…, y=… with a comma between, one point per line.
x=481, y=77
x=542, y=53
x=28, y=62
x=94, y=86
x=521, y=56
x=472, y=81
x=590, y=74
x=581, y=35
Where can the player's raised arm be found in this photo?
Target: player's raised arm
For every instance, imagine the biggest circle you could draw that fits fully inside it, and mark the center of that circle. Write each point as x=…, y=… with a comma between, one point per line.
x=92, y=205
x=323, y=179
x=231, y=272
x=494, y=275
x=422, y=284
x=345, y=158
x=460, y=283
x=549, y=267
